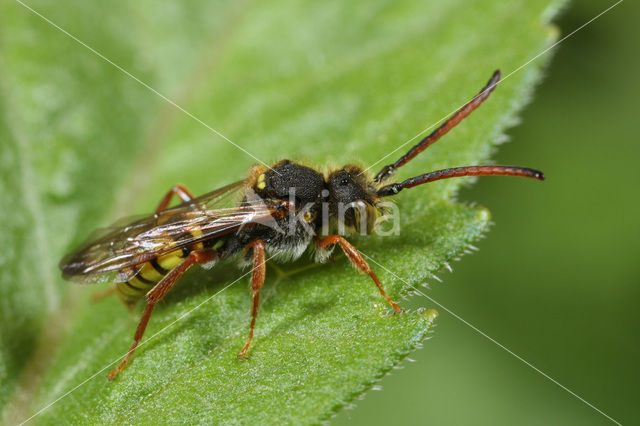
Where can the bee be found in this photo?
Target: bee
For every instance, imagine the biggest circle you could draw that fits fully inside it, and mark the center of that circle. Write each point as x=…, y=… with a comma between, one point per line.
x=281, y=210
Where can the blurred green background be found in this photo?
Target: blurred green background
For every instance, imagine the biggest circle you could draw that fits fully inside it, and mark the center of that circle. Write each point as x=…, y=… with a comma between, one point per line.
x=557, y=278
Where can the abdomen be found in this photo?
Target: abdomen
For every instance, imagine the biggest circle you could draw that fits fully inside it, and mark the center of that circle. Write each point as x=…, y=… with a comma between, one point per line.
x=147, y=275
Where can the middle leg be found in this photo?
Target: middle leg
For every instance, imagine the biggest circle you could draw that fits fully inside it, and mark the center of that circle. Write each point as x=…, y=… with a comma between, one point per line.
x=259, y=272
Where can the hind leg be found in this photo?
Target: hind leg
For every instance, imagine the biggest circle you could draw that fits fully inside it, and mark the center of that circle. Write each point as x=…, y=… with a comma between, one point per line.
x=155, y=295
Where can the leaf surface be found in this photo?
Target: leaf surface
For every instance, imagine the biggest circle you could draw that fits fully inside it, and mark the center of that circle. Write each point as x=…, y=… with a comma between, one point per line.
x=327, y=83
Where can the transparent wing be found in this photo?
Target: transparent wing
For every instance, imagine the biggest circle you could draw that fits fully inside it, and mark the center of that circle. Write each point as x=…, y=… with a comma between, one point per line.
x=111, y=254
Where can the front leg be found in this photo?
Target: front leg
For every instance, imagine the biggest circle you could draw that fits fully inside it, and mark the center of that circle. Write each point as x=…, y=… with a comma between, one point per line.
x=259, y=272
x=358, y=261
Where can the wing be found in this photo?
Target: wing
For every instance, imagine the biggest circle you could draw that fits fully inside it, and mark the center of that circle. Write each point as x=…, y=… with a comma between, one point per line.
x=111, y=254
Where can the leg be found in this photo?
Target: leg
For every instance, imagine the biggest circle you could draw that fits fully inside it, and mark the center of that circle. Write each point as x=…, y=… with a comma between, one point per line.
x=157, y=293
x=102, y=294
x=259, y=272
x=179, y=191
x=358, y=261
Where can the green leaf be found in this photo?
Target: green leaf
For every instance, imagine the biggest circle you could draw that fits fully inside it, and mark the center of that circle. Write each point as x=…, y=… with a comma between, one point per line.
x=331, y=83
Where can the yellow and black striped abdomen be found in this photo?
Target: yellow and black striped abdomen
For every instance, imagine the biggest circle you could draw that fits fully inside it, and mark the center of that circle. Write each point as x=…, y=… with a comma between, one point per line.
x=146, y=275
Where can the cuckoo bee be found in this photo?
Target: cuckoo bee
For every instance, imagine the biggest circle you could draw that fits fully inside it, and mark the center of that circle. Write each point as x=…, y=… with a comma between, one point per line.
x=282, y=210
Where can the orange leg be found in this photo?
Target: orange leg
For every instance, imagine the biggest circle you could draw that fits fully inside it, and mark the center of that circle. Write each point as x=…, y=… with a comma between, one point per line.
x=179, y=191
x=156, y=294
x=358, y=261
x=259, y=272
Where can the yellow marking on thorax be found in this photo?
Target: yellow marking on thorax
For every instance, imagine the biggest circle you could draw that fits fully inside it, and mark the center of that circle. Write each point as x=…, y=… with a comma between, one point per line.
x=261, y=184
x=253, y=174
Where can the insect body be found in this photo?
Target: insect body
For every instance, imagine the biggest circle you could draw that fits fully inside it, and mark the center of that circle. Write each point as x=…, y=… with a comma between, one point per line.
x=280, y=211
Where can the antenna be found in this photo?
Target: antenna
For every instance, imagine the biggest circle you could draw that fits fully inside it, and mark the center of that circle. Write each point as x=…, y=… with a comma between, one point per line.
x=394, y=188
x=451, y=122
